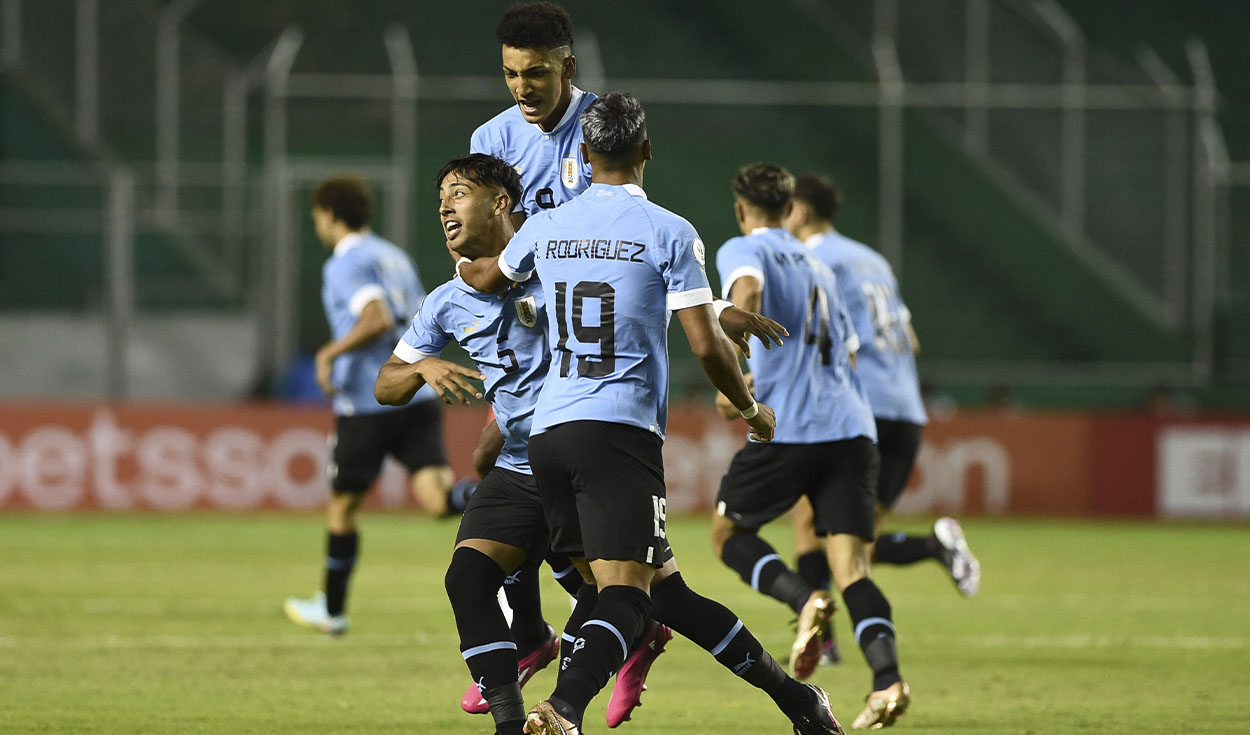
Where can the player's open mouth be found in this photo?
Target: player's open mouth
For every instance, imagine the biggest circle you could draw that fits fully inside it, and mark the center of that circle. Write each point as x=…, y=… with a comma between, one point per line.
x=452, y=228
x=530, y=107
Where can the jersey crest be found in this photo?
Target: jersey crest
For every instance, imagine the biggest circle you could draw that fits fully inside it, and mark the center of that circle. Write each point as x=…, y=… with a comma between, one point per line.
x=568, y=172
x=526, y=311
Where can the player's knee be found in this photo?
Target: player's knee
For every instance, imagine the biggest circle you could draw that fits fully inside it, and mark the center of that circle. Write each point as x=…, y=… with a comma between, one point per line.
x=471, y=577
x=722, y=531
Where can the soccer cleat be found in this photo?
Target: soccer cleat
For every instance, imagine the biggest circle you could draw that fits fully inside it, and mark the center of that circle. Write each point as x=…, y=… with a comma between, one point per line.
x=631, y=679
x=311, y=613
x=820, y=721
x=475, y=704
x=544, y=720
x=829, y=653
x=962, y=564
x=884, y=707
x=807, y=649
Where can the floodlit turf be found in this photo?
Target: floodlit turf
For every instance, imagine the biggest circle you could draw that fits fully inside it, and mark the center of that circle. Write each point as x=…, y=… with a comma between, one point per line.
x=173, y=624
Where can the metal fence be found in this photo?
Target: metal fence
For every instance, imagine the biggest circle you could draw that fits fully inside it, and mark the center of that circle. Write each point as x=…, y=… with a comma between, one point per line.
x=1125, y=162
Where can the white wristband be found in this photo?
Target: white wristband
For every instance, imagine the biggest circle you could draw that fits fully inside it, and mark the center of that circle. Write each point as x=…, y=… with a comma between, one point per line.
x=719, y=305
x=459, y=263
x=751, y=412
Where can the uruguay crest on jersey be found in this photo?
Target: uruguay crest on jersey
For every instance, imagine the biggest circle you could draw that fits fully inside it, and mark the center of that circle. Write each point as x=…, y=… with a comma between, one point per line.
x=568, y=172
x=526, y=311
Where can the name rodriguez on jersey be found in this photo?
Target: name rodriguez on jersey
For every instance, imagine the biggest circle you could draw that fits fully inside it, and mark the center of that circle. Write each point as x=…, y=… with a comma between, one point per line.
x=623, y=250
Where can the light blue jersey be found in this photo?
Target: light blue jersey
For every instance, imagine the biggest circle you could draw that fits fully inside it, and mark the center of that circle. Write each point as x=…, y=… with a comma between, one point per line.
x=808, y=381
x=506, y=335
x=886, y=364
x=365, y=268
x=613, y=267
x=550, y=164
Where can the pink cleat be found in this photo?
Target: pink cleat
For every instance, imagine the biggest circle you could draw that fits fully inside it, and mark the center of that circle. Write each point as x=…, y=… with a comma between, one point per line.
x=475, y=704
x=631, y=679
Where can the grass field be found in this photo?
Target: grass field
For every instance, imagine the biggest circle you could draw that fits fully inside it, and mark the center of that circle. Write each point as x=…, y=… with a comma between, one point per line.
x=172, y=624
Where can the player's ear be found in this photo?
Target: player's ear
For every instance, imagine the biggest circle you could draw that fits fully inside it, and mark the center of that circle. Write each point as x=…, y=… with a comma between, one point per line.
x=789, y=209
x=581, y=147
x=740, y=212
x=646, y=149
x=503, y=203
x=570, y=66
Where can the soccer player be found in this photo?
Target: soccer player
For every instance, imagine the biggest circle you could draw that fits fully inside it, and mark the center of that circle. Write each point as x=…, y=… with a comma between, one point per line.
x=824, y=447
x=613, y=266
x=539, y=135
x=367, y=283
x=886, y=365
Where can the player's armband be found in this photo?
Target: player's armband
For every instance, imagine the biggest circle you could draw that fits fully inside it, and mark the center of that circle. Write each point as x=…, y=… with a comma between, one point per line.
x=719, y=305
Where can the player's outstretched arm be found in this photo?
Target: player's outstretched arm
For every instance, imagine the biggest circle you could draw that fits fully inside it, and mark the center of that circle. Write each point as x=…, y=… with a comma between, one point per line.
x=719, y=360
x=740, y=325
x=483, y=274
x=399, y=381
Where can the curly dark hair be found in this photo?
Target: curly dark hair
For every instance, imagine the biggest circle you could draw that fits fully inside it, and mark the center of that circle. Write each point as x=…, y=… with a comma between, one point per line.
x=820, y=193
x=535, y=25
x=484, y=170
x=765, y=185
x=347, y=198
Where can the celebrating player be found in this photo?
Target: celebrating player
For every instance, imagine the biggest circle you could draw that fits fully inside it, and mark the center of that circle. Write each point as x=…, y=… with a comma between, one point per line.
x=886, y=366
x=824, y=448
x=613, y=266
x=366, y=283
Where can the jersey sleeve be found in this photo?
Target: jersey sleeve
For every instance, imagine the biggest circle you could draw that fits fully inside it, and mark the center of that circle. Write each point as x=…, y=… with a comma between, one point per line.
x=735, y=259
x=517, y=259
x=355, y=283
x=685, y=276
x=425, y=336
x=481, y=141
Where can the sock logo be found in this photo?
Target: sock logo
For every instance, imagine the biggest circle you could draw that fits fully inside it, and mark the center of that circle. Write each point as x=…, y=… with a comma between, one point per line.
x=481, y=683
x=512, y=578
x=564, y=663
x=579, y=644
x=745, y=666
x=520, y=675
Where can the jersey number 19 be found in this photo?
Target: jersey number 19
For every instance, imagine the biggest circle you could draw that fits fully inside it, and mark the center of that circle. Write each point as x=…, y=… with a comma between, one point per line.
x=587, y=366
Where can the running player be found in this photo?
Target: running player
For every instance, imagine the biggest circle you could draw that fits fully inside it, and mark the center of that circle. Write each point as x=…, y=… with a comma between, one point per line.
x=887, y=368
x=824, y=448
x=613, y=266
x=366, y=284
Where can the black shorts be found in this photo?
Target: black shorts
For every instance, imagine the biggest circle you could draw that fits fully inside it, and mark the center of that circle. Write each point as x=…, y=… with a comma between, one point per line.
x=506, y=508
x=839, y=477
x=413, y=435
x=603, y=491
x=899, y=443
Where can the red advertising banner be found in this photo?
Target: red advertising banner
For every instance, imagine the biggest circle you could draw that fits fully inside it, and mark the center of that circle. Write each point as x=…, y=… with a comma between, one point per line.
x=254, y=456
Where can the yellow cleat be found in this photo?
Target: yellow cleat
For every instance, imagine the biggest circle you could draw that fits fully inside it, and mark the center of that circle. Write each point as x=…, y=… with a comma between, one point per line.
x=806, y=652
x=544, y=720
x=884, y=707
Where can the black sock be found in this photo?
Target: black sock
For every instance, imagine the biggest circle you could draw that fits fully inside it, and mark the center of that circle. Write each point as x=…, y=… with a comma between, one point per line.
x=601, y=647
x=529, y=630
x=508, y=708
x=458, y=497
x=874, y=631
x=899, y=548
x=762, y=568
x=813, y=567
x=565, y=573
x=485, y=642
x=587, y=598
x=715, y=629
x=341, y=553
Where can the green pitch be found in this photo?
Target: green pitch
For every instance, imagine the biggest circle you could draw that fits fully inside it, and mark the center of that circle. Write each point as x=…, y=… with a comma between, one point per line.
x=173, y=624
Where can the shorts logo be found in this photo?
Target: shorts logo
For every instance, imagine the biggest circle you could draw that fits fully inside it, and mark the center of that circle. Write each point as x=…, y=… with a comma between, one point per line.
x=569, y=173
x=526, y=311
x=699, y=253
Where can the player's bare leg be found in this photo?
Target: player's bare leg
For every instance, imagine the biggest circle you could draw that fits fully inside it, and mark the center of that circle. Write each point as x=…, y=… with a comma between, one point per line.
x=430, y=486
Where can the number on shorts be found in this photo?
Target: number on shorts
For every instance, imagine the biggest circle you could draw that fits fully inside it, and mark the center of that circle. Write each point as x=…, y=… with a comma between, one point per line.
x=661, y=513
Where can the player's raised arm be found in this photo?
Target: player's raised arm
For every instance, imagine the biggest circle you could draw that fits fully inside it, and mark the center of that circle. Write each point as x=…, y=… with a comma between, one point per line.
x=719, y=361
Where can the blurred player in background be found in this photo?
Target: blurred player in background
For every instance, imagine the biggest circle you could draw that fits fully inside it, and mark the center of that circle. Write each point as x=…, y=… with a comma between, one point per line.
x=368, y=286
x=613, y=268
x=886, y=365
x=539, y=135
x=824, y=447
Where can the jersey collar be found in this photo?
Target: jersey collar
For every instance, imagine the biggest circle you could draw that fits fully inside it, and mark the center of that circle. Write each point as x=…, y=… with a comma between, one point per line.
x=574, y=98
x=815, y=239
x=631, y=189
x=759, y=230
x=348, y=242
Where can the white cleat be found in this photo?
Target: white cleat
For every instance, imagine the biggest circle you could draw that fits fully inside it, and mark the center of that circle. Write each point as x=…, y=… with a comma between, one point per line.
x=962, y=564
x=311, y=613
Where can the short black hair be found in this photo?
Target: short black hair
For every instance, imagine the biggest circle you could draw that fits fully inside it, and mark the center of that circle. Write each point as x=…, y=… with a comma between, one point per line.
x=613, y=125
x=820, y=193
x=347, y=198
x=484, y=170
x=535, y=25
x=765, y=185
